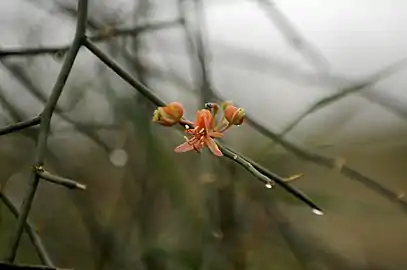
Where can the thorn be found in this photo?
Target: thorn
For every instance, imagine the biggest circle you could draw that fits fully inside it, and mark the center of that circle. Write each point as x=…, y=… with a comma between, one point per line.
x=293, y=177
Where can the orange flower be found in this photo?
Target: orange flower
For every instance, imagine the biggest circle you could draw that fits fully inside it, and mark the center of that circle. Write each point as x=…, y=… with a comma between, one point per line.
x=168, y=115
x=205, y=129
x=202, y=135
x=234, y=115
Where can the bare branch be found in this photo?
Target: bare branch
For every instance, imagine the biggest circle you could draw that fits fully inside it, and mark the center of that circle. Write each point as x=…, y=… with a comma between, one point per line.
x=31, y=231
x=146, y=92
x=353, y=89
x=195, y=44
x=20, y=125
x=293, y=37
x=126, y=76
x=260, y=170
x=58, y=179
x=22, y=76
x=45, y=125
x=104, y=35
x=318, y=60
x=330, y=163
x=9, y=266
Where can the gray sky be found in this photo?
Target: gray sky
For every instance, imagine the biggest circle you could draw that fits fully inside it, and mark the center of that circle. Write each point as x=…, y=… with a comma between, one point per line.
x=251, y=61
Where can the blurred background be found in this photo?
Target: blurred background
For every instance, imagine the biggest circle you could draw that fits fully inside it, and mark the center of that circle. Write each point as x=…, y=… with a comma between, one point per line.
x=322, y=82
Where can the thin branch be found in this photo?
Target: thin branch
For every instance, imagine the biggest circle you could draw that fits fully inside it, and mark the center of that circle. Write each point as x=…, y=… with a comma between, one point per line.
x=261, y=171
x=317, y=59
x=309, y=250
x=21, y=75
x=45, y=125
x=196, y=46
x=300, y=252
x=71, y=11
x=330, y=163
x=58, y=179
x=100, y=37
x=353, y=89
x=126, y=76
x=293, y=37
x=31, y=231
x=146, y=92
x=20, y=125
x=9, y=266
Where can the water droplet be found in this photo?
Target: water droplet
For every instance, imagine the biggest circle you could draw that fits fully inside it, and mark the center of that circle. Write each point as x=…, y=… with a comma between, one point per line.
x=269, y=185
x=317, y=212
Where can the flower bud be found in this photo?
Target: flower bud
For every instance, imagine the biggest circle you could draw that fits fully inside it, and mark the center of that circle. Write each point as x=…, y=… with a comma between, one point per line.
x=234, y=115
x=168, y=115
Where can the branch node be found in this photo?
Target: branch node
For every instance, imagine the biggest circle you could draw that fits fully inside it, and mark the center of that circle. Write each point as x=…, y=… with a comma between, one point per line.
x=38, y=169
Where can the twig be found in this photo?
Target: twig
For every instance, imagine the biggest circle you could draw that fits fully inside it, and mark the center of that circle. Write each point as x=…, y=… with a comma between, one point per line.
x=358, y=87
x=355, y=88
x=71, y=11
x=58, y=179
x=371, y=184
x=126, y=76
x=260, y=170
x=299, y=251
x=45, y=125
x=21, y=75
x=9, y=266
x=30, y=229
x=319, y=61
x=249, y=167
x=20, y=125
x=104, y=35
x=293, y=37
x=157, y=101
x=196, y=47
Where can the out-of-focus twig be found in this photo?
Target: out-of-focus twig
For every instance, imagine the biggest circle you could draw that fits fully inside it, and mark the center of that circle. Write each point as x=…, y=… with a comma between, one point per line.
x=142, y=89
x=9, y=266
x=309, y=251
x=20, y=125
x=71, y=11
x=22, y=76
x=318, y=60
x=31, y=231
x=46, y=116
x=330, y=163
x=355, y=88
x=102, y=36
x=293, y=37
x=195, y=43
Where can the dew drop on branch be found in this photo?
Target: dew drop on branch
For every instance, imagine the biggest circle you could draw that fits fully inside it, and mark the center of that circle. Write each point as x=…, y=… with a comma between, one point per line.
x=268, y=185
x=317, y=212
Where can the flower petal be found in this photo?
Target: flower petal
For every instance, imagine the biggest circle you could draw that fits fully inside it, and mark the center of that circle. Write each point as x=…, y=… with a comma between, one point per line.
x=208, y=120
x=215, y=134
x=185, y=147
x=199, y=120
x=211, y=144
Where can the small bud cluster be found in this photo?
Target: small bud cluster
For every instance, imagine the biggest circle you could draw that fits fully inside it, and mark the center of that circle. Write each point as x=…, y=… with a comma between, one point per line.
x=169, y=115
